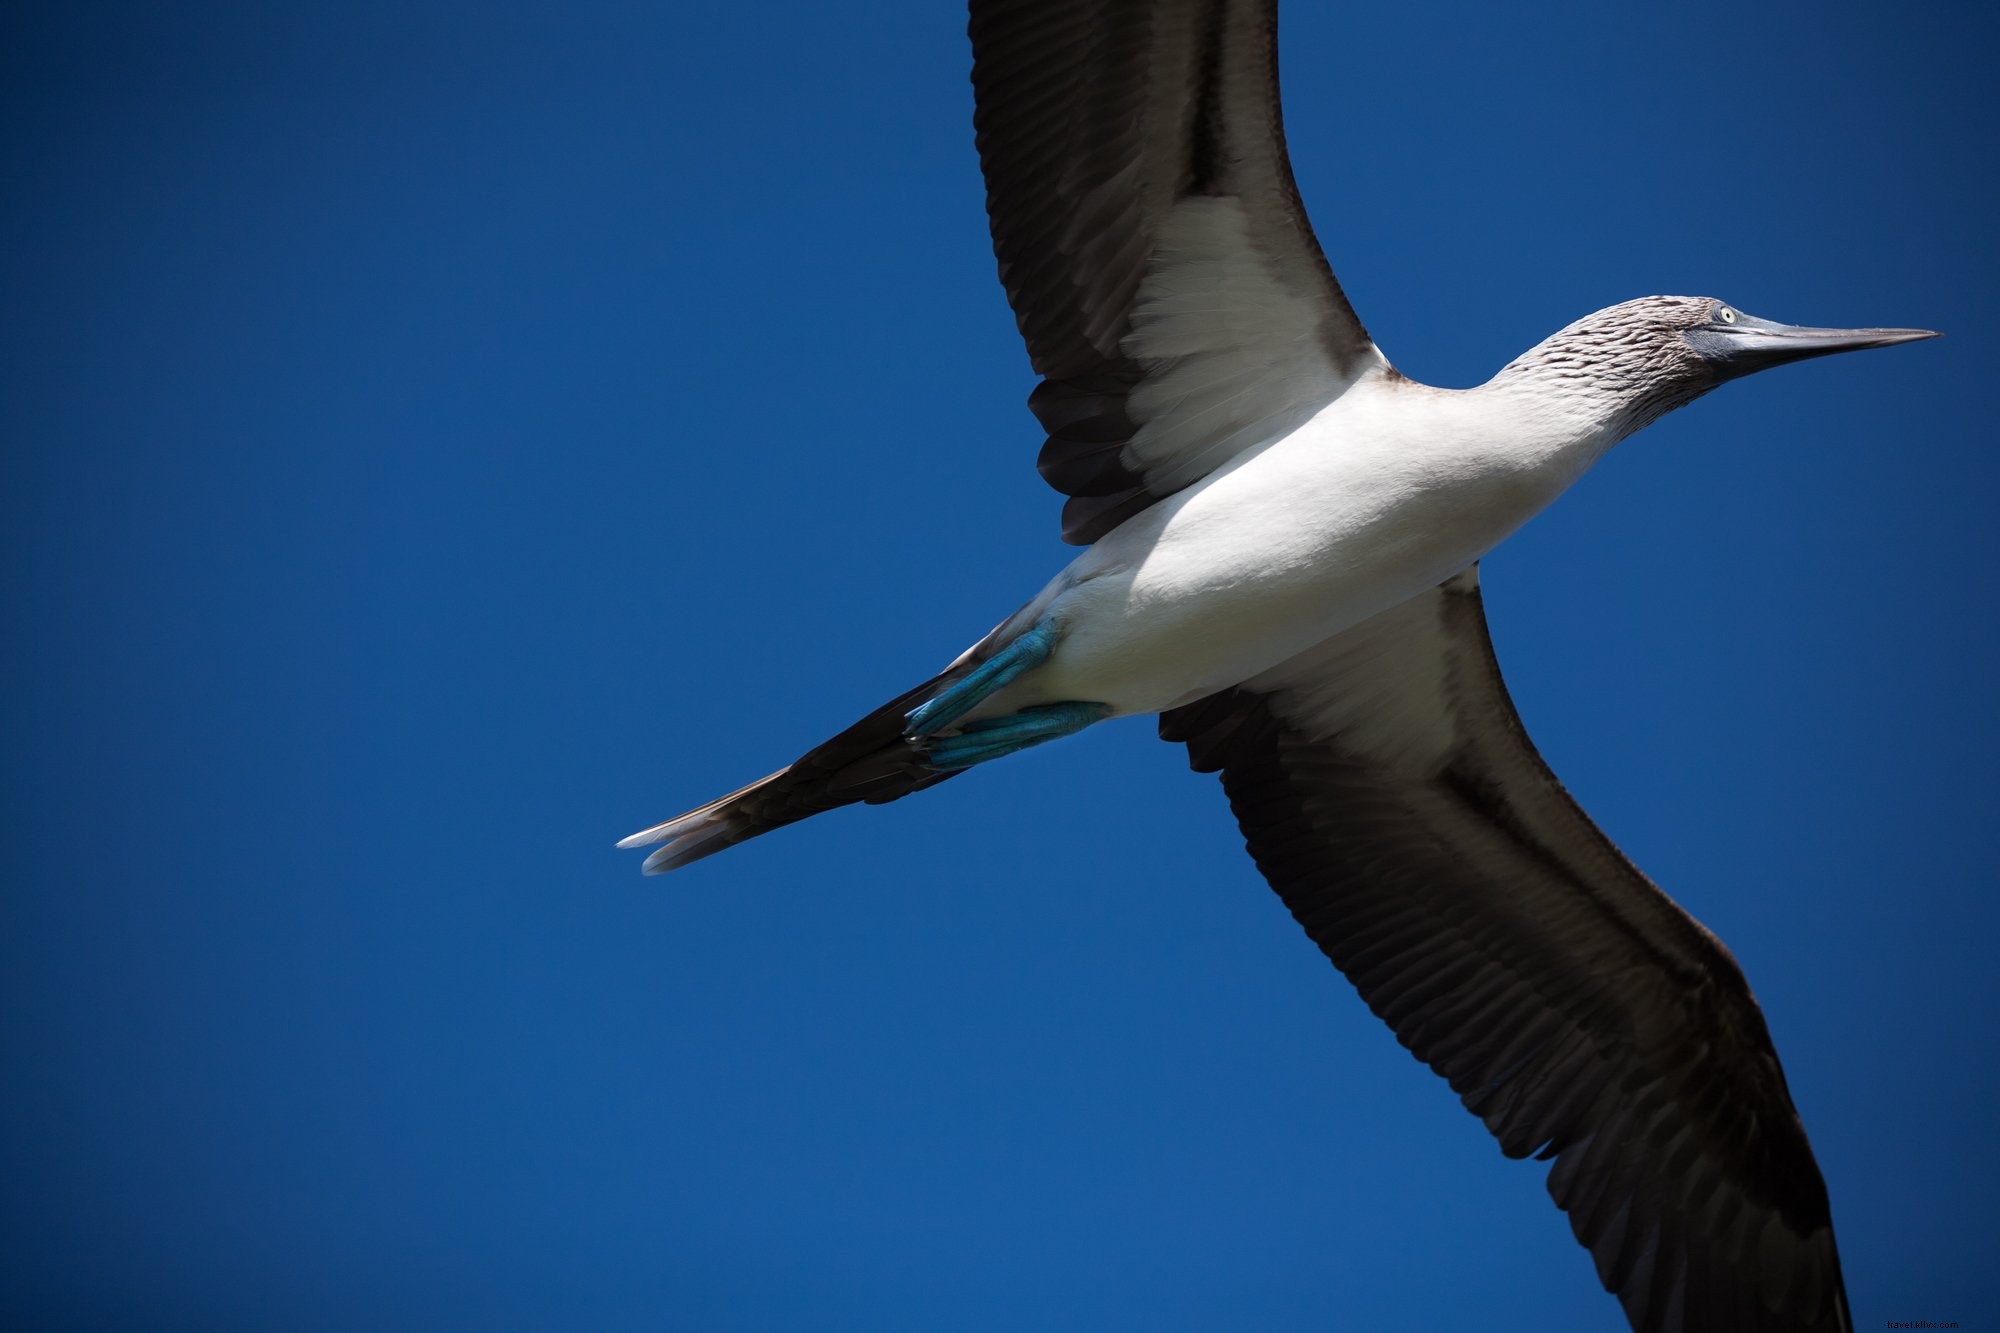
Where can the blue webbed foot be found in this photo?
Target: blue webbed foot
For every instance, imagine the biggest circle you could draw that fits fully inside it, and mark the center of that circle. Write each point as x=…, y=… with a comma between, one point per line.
x=994, y=737
x=1024, y=653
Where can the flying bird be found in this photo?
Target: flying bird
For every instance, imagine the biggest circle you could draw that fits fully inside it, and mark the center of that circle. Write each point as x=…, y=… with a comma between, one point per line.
x=1281, y=537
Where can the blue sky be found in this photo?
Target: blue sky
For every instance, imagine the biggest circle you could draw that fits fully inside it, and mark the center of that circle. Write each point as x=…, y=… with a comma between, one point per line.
x=442, y=438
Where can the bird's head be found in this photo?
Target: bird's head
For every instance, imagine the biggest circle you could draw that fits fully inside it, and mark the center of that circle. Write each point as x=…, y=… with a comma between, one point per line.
x=1650, y=356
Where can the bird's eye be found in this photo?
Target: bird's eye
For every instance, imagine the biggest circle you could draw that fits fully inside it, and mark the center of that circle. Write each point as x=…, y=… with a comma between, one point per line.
x=1725, y=314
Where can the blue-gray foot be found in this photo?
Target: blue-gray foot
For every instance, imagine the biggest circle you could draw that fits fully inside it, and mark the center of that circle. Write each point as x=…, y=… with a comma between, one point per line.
x=994, y=737
x=1028, y=651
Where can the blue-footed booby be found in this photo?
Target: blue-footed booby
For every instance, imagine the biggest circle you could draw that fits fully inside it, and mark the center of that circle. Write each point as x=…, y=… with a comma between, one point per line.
x=1281, y=537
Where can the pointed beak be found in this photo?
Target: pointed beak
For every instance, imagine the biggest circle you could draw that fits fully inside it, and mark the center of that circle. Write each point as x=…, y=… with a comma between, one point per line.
x=1749, y=344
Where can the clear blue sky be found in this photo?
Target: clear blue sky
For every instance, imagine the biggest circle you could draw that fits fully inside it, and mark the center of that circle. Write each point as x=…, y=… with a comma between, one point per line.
x=442, y=438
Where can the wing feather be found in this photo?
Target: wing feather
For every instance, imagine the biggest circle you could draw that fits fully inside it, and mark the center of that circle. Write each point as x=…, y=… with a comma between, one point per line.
x=1388, y=792
x=1152, y=242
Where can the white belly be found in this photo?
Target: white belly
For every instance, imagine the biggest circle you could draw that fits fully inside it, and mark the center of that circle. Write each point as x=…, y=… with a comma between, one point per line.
x=1383, y=495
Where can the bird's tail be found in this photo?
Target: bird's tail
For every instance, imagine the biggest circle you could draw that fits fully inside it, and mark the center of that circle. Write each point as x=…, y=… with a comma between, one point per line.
x=875, y=760
x=919, y=738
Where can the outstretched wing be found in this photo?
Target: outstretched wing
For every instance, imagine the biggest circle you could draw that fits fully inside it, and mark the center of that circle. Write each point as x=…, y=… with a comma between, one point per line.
x=1389, y=794
x=1152, y=242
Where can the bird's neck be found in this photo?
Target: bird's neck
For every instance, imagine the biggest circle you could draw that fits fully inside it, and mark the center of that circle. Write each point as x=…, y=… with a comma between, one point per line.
x=1554, y=417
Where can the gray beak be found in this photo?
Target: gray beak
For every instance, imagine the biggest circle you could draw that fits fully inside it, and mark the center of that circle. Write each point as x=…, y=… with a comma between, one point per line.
x=1747, y=344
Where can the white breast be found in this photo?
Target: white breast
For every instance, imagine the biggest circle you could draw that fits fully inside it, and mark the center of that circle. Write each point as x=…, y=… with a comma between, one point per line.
x=1386, y=493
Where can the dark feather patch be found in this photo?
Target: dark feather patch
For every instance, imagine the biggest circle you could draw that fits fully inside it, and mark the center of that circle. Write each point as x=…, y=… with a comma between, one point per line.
x=870, y=761
x=1093, y=118
x=1577, y=1010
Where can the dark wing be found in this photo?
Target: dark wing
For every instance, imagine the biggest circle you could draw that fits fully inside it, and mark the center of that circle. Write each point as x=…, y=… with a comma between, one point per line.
x=1152, y=242
x=1389, y=794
